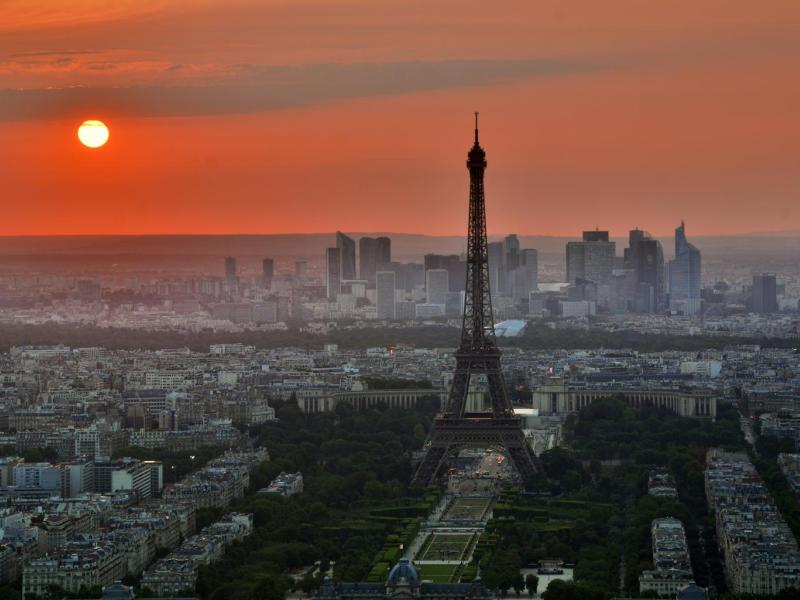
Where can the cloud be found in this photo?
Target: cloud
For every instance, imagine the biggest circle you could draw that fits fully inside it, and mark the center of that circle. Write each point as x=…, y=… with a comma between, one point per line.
x=256, y=88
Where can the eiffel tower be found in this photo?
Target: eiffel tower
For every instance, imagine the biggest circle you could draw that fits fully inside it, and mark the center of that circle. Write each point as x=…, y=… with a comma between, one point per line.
x=455, y=429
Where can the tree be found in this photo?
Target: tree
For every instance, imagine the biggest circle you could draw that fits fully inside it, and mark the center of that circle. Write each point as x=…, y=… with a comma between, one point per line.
x=531, y=584
x=518, y=583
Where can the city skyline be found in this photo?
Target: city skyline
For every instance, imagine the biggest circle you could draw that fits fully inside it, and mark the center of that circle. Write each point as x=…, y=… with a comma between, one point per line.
x=591, y=120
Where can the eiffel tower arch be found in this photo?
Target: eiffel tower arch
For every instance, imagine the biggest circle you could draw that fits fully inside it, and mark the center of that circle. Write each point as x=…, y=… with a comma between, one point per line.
x=455, y=428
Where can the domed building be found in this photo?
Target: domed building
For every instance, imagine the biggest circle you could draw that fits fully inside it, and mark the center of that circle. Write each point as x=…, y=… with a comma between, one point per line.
x=403, y=581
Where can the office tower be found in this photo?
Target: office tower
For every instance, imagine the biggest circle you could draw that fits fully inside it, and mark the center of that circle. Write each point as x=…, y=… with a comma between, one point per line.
x=384, y=245
x=230, y=269
x=511, y=260
x=385, y=295
x=347, y=250
x=525, y=278
x=454, y=304
x=436, y=286
x=267, y=271
x=592, y=258
x=684, y=276
x=300, y=268
x=452, y=263
x=765, y=293
x=645, y=256
x=373, y=254
x=333, y=273
x=495, y=255
x=405, y=310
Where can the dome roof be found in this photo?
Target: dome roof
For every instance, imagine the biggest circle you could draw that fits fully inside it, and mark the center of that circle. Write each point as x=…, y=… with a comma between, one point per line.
x=403, y=573
x=692, y=592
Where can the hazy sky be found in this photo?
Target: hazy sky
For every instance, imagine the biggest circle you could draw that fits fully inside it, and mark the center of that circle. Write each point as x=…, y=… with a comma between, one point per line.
x=236, y=116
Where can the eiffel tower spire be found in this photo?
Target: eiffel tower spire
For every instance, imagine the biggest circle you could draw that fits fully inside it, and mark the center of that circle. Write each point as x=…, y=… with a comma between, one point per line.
x=477, y=354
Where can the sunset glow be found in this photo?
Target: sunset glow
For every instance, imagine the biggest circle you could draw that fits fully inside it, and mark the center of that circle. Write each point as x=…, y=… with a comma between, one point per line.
x=93, y=134
x=328, y=114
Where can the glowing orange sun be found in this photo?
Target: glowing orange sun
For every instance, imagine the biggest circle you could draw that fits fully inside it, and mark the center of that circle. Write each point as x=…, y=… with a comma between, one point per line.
x=93, y=134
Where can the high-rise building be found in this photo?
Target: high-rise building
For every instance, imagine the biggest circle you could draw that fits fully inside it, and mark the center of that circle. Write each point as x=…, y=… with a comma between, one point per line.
x=300, y=268
x=494, y=251
x=765, y=293
x=646, y=257
x=592, y=258
x=333, y=273
x=230, y=269
x=347, y=250
x=384, y=245
x=373, y=254
x=385, y=294
x=452, y=263
x=436, y=286
x=684, y=276
x=267, y=271
x=525, y=278
x=454, y=304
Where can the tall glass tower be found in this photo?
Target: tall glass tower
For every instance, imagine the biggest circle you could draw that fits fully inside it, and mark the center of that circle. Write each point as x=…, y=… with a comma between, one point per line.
x=684, y=276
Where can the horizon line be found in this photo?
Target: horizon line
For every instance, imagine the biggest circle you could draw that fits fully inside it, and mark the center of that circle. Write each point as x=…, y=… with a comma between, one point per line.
x=782, y=232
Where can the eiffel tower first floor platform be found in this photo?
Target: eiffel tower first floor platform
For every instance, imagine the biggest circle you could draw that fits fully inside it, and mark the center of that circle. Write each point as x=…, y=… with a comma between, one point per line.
x=451, y=435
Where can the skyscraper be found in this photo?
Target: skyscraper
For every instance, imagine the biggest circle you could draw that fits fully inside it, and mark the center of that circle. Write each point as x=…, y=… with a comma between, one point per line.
x=347, y=250
x=230, y=269
x=592, y=258
x=765, y=293
x=684, y=276
x=452, y=263
x=267, y=271
x=510, y=263
x=385, y=294
x=333, y=273
x=436, y=286
x=373, y=254
x=525, y=278
x=646, y=257
x=495, y=256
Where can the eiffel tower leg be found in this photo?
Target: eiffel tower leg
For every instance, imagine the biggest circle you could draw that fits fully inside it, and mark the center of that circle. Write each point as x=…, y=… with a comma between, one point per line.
x=523, y=458
x=431, y=465
x=497, y=391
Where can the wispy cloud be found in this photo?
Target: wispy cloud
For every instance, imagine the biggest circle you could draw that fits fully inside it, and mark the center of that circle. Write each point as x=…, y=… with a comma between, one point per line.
x=255, y=88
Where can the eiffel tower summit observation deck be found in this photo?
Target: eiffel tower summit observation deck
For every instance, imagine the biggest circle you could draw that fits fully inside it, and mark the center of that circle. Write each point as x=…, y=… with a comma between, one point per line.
x=455, y=429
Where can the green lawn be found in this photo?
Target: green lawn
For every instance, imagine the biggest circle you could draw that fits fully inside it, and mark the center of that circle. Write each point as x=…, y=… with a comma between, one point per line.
x=446, y=546
x=471, y=509
x=438, y=573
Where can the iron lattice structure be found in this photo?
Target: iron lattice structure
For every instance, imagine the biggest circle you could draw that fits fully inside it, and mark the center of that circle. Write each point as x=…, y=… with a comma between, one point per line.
x=456, y=429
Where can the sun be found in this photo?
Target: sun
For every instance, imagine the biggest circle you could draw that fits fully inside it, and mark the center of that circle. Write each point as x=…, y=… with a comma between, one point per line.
x=93, y=134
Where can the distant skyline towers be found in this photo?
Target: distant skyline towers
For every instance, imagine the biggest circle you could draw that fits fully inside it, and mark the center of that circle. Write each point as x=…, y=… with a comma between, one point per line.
x=685, y=285
x=765, y=293
x=525, y=278
x=373, y=254
x=267, y=271
x=333, y=273
x=437, y=286
x=646, y=257
x=591, y=259
x=385, y=294
x=300, y=268
x=347, y=251
x=230, y=269
x=452, y=263
x=494, y=252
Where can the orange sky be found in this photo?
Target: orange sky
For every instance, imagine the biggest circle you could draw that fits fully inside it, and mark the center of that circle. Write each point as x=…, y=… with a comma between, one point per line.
x=244, y=116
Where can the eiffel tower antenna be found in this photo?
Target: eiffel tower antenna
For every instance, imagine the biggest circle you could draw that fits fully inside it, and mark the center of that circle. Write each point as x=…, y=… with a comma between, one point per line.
x=456, y=428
